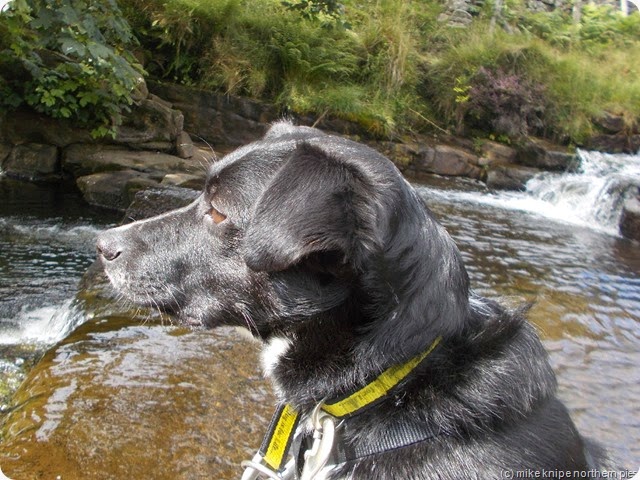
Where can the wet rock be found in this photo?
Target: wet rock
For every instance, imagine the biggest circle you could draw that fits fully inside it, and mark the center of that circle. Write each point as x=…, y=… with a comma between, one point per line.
x=544, y=156
x=509, y=177
x=630, y=219
x=119, y=399
x=154, y=201
x=186, y=180
x=85, y=159
x=33, y=161
x=113, y=190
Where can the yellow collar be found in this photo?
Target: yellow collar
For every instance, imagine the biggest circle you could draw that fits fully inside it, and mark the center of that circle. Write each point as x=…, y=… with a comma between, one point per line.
x=282, y=428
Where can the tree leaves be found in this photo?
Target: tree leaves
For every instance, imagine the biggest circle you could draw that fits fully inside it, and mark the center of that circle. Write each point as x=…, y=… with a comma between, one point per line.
x=76, y=54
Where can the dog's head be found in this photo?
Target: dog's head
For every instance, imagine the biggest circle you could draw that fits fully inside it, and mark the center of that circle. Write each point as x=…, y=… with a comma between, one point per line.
x=289, y=229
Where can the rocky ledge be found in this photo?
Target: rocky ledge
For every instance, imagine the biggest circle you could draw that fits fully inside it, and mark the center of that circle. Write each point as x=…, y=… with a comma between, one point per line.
x=150, y=149
x=153, y=149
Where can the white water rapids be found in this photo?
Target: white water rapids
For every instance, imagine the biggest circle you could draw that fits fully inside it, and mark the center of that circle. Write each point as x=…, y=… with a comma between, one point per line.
x=592, y=197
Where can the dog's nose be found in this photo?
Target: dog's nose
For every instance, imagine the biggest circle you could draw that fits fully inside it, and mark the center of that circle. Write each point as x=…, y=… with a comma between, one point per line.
x=108, y=247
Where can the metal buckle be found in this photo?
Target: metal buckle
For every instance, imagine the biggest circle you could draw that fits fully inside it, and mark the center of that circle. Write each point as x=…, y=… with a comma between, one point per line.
x=324, y=428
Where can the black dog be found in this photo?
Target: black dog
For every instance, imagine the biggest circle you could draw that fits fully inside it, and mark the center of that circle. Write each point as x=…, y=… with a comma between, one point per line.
x=320, y=248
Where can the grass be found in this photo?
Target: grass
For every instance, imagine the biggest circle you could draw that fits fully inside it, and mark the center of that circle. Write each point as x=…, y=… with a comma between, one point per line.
x=397, y=70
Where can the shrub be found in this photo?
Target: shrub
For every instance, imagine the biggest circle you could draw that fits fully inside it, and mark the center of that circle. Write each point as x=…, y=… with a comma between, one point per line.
x=69, y=60
x=512, y=104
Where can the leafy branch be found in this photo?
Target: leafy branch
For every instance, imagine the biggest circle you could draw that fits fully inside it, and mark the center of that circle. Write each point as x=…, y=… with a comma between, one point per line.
x=69, y=59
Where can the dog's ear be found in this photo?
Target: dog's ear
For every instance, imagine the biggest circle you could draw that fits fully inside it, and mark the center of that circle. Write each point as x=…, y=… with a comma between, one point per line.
x=308, y=209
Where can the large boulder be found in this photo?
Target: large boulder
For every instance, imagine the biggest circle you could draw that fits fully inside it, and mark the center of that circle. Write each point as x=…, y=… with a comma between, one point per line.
x=611, y=123
x=217, y=118
x=494, y=153
x=614, y=143
x=544, y=156
x=418, y=160
x=33, y=161
x=113, y=190
x=27, y=126
x=444, y=160
x=152, y=120
x=509, y=177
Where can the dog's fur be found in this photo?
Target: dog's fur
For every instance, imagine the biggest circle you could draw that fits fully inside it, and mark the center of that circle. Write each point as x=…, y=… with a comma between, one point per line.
x=331, y=258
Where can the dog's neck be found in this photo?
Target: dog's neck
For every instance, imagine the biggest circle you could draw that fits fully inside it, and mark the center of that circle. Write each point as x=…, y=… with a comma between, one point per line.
x=312, y=365
x=323, y=358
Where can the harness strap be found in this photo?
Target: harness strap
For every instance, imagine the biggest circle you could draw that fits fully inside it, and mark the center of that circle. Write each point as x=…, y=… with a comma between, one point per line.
x=277, y=441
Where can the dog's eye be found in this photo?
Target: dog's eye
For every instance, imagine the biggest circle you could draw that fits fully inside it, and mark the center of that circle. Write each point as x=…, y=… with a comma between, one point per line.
x=217, y=216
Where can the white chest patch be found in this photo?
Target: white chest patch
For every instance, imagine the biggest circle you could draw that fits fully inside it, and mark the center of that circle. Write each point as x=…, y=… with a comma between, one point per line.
x=271, y=354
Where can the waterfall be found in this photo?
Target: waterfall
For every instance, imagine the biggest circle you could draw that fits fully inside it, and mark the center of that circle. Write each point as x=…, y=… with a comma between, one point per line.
x=592, y=196
x=46, y=324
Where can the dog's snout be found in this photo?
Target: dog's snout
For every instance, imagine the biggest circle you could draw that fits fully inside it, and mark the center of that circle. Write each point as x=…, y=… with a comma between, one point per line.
x=108, y=247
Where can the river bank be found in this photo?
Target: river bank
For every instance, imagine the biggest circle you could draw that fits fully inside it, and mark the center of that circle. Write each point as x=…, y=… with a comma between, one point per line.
x=154, y=149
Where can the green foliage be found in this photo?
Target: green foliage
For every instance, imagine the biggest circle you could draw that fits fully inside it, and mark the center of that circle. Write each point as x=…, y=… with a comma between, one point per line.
x=394, y=68
x=69, y=59
x=330, y=12
x=267, y=50
x=575, y=83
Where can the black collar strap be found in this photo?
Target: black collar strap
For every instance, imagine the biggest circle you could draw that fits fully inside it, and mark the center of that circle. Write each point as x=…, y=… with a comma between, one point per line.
x=277, y=441
x=400, y=436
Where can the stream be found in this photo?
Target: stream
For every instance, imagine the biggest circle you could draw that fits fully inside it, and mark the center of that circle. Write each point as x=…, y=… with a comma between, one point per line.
x=555, y=245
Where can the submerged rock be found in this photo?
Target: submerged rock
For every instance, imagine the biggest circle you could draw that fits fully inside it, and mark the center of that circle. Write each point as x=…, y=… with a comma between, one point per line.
x=119, y=399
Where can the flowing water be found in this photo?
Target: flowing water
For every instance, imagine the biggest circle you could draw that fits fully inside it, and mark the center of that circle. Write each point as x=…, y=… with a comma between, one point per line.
x=46, y=243
x=555, y=245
